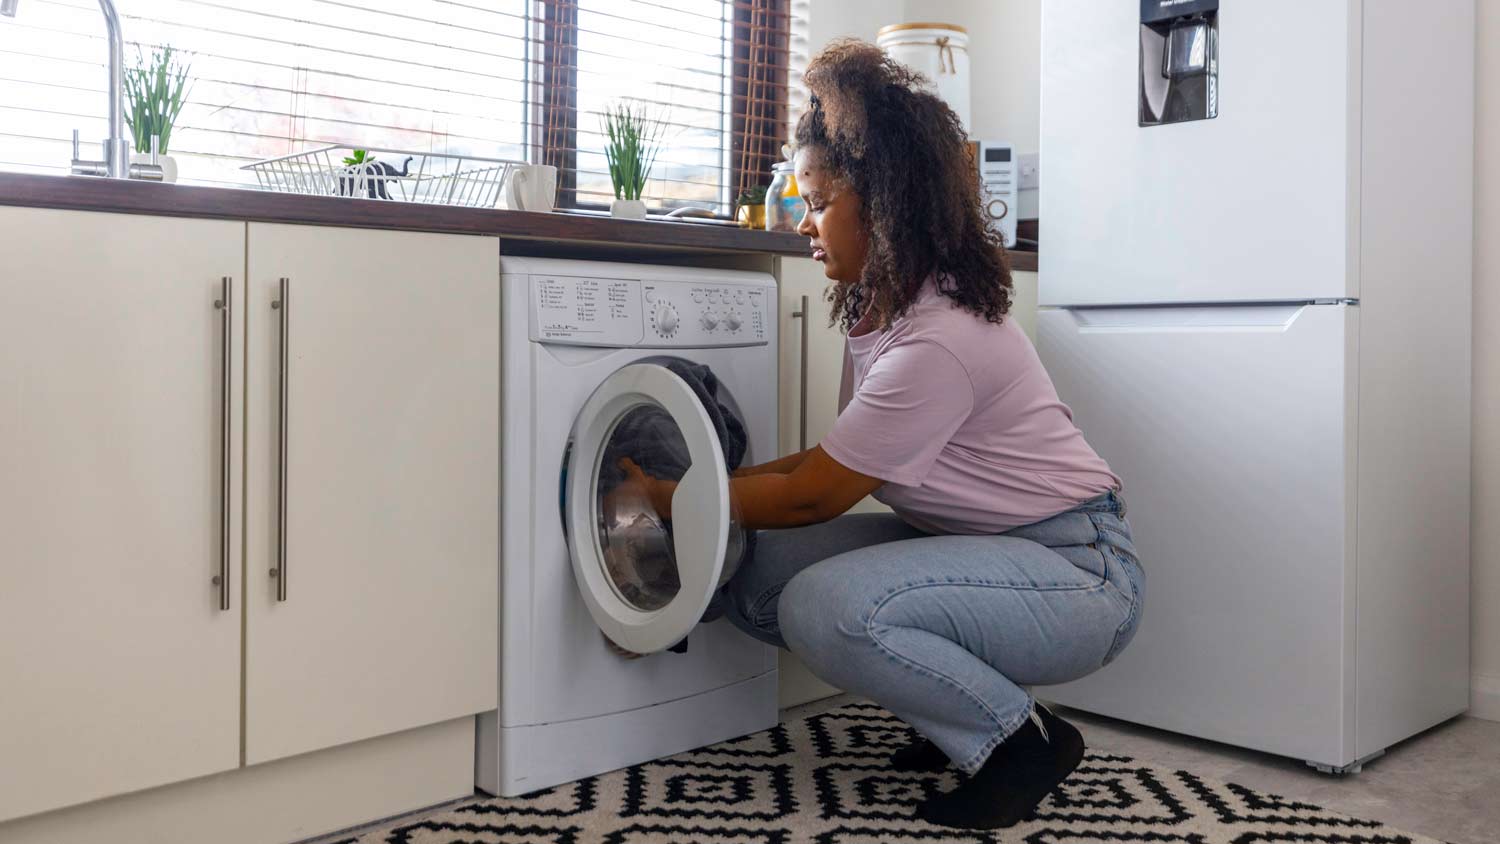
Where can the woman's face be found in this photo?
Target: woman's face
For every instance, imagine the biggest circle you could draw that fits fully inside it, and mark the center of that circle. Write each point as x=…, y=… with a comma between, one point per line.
x=832, y=222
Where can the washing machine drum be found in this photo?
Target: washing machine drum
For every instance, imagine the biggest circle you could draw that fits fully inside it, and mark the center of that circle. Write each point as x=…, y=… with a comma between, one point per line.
x=648, y=581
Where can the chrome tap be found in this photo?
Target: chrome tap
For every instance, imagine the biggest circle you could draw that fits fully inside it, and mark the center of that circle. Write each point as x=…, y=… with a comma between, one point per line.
x=116, y=163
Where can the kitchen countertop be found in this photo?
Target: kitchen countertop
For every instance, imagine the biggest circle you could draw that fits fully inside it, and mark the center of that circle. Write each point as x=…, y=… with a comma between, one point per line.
x=599, y=234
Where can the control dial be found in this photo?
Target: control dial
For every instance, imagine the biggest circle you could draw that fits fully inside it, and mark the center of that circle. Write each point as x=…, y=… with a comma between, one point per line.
x=710, y=320
x=665, y=319
x=732, y=321
x=997, y=209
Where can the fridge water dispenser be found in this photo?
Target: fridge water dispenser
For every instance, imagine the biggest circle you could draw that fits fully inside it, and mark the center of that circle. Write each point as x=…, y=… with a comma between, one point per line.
x=1179, y=61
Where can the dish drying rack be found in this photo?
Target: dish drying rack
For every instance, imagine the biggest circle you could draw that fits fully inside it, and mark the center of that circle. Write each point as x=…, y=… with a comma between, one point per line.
x=387, y=174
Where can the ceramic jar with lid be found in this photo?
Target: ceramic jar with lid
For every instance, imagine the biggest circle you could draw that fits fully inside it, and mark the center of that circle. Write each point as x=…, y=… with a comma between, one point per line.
x=938, y=51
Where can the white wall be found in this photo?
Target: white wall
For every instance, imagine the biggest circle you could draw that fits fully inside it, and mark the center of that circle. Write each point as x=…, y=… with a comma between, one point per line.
x=1486, y=507
x=830, y=19
x=1005, y=38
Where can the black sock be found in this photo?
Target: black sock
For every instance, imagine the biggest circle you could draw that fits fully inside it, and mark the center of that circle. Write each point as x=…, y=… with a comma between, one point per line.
x=920, y=755
x=1018, y=776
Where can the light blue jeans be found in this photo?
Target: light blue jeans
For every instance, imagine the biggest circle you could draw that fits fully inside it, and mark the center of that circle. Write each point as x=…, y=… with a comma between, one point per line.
x=944, y=631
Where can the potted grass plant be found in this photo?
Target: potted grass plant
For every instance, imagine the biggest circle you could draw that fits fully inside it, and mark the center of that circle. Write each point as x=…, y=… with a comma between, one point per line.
x=750, y=210
x=632, y=140
x=155, y=91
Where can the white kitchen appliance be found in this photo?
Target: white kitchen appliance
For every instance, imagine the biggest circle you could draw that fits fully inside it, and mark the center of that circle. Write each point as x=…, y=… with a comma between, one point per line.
x=1257, y=304
x=585, y=345
x=938, y=51
x=999, y=181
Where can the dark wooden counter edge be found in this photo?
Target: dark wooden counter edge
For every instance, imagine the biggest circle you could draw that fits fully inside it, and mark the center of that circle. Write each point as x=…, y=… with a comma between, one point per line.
x=78, y=193
x=92, y=194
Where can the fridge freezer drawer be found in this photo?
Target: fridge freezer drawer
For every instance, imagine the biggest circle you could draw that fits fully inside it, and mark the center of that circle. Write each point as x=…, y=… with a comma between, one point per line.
x=1231, y=429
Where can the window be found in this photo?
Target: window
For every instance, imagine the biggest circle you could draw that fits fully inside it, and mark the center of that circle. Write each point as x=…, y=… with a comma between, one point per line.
x=524, y=79
x=270, y=77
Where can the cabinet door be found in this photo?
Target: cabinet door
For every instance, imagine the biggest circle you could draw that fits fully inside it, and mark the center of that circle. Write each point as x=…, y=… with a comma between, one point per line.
x=812, y=366
x=119, y=667
x=383, y=614
x=824, y=362
x=810, y=346
x=1023, y=302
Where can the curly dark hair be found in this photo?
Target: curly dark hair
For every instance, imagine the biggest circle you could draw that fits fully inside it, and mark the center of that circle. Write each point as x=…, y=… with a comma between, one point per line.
x=903, y=151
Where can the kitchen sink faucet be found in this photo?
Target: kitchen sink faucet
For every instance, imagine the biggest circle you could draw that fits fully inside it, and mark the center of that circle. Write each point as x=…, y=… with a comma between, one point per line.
x=116, y=163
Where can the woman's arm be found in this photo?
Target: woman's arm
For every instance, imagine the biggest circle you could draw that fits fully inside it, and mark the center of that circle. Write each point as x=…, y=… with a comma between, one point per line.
x=779, y=466
x=818, y=489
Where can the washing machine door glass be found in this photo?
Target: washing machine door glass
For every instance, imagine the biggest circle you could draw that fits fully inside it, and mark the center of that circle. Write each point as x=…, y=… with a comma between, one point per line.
x=647, y=580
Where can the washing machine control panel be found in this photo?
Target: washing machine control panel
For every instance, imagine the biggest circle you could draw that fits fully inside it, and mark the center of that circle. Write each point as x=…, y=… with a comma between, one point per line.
x=664, y=313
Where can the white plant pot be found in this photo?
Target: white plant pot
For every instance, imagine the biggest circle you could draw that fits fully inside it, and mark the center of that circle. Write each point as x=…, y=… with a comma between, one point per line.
x=167, y=162
x=628, y=209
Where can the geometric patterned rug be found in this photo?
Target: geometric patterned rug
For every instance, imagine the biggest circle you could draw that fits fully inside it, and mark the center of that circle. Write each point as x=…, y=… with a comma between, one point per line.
x=824, y=780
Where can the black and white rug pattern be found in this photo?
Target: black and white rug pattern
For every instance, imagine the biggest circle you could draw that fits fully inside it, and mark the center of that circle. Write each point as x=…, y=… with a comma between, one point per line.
x=825, y=780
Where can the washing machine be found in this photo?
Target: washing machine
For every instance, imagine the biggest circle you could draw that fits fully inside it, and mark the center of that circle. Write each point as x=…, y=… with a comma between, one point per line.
x=586, y=348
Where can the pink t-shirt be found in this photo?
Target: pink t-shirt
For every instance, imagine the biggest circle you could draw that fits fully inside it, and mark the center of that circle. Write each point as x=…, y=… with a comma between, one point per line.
x=958, y=416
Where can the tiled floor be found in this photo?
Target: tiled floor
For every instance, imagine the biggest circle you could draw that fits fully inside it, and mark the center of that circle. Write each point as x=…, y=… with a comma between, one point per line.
x=1444, y=783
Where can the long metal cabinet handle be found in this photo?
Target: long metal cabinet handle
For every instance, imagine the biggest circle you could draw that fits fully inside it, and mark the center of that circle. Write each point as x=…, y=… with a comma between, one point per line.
x=801, y=314
x=226, y=379
x=280, y=571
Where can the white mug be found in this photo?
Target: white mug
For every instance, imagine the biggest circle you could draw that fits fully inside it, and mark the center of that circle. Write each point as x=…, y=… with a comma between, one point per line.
x=531, y=187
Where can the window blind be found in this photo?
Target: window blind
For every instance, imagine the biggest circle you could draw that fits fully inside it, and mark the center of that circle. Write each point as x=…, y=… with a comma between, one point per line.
x=271, y=77
x=712, y=71
x=524, y=79
x=797, y=58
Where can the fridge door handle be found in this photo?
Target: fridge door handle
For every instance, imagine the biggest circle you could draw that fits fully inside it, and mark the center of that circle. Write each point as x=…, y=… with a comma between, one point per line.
x=1214, y=318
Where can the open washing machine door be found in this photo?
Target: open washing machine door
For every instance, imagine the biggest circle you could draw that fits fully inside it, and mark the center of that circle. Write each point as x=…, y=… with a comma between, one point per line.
x=647, y=582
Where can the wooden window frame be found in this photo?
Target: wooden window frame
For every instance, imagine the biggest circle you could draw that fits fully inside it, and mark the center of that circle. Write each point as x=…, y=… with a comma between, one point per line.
x=761, y=50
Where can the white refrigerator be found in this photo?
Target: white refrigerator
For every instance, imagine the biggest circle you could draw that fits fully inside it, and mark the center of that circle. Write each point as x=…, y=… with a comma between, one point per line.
x=1255, y=288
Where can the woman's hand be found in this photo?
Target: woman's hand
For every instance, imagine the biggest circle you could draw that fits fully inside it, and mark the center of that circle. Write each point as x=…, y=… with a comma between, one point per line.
x=657, y=491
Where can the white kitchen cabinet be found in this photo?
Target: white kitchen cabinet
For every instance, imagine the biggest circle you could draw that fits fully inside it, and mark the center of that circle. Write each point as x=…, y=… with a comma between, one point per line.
x=824, y=362
x=381, y=615
x=808, y=345
x=119, y=654
x=812, y=365
x=1023, y=301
